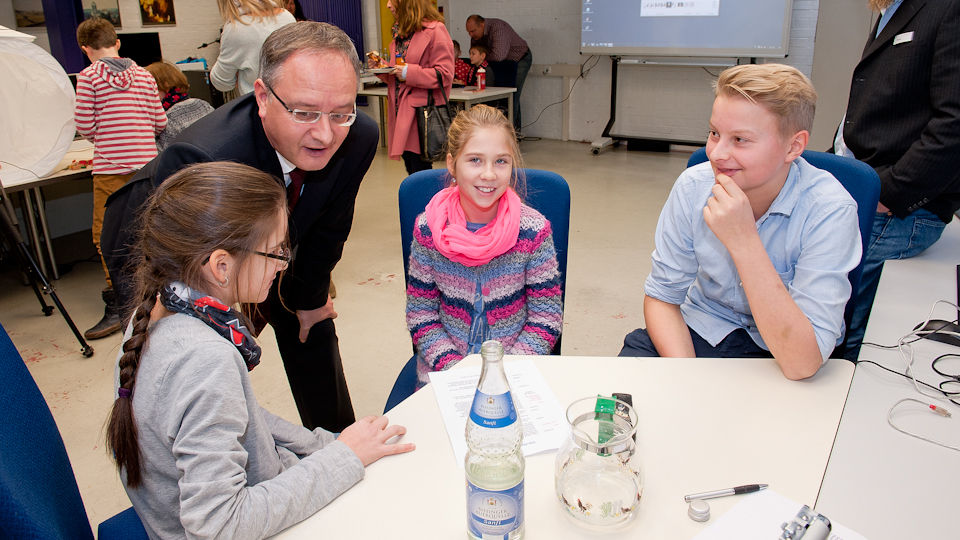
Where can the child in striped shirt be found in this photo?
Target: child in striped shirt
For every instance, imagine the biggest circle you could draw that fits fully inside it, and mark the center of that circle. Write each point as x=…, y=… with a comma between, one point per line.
x=119, y=111
x=482, y=264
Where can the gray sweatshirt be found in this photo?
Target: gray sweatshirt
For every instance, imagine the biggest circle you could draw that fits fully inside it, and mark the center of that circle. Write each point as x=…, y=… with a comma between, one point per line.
x=216, y=464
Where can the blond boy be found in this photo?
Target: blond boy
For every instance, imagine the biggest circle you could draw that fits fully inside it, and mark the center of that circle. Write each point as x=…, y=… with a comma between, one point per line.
x=753, y=248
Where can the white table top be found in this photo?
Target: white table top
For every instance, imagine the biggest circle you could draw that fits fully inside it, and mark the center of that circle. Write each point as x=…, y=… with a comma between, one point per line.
x=456, y=94
x=704, y=424
x=80, y=149
x=882, y=483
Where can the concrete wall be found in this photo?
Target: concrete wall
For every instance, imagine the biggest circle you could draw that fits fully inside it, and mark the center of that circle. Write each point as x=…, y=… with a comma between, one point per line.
x=842, y=30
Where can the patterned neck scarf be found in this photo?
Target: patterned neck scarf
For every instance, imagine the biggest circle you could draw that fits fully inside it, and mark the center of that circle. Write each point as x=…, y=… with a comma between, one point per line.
x=173, y=97
x=228, y=322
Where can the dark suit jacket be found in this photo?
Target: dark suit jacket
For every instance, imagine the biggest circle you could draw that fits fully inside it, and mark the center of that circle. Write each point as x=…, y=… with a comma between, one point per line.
x=319, y=225
x=903, y=117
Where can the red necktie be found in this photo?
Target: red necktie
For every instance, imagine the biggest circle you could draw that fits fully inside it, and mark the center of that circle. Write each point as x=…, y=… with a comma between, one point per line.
x=293, y=190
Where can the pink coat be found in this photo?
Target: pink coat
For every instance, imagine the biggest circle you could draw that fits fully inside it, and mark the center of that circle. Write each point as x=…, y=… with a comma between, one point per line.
x=430, y=48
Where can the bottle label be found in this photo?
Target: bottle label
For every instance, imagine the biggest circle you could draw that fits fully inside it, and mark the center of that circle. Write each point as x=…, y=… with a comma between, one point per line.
x=494, y=514
x=493, y=411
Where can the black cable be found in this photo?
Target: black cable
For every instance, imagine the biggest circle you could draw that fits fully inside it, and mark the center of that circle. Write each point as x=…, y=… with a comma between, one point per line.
x=708, y=71
x=946, y=395
x=582, y=75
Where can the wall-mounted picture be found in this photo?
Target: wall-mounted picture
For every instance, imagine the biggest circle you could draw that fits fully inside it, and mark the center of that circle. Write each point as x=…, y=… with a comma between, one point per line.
x=29, y=13
x=102, y=9
x=157, y=12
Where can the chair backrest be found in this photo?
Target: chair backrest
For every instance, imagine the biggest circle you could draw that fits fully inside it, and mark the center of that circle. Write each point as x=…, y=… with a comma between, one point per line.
x=863, y=184
x=547, y=193
x=39, y=497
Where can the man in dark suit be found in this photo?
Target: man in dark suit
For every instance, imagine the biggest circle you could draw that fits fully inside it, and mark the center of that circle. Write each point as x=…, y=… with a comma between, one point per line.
x=301, y=125
x=903, y=119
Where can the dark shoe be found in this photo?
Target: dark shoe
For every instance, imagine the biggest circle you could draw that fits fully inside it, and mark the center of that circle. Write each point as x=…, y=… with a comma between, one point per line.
x=110, y=323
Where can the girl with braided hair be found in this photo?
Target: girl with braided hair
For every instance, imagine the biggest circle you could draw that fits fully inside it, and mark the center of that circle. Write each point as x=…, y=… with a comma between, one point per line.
x=198, y=456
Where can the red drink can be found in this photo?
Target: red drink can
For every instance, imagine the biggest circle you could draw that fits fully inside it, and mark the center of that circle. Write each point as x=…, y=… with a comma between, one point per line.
x=481, y=79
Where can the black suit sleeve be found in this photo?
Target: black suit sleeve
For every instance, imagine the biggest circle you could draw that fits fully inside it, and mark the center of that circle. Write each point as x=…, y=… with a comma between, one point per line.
x=123, y=211
x=931, y=164
x=320, y=247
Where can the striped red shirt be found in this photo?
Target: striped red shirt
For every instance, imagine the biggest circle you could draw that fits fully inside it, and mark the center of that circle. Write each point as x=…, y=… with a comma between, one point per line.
x=120, y=113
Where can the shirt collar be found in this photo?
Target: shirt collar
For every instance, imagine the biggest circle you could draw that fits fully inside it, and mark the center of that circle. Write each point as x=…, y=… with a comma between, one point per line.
x=789, y=195
x=286, y=166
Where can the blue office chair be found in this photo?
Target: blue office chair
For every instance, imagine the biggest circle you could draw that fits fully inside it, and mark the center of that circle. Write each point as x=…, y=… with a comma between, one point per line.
x=547, y=192
x=863, y=183
x=39, y=497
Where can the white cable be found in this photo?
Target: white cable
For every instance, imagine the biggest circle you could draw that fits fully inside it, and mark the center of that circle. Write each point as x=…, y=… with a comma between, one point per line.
x=921, y=437
x=903, y=344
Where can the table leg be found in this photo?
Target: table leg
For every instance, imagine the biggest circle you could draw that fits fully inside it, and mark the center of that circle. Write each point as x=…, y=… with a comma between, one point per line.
x=27, y=207
x=42, y=211
x=510, y=108
x=383, y=121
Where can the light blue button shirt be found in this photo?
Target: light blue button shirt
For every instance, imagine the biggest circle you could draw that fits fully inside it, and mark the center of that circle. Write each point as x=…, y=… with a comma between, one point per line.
x=886, y=15
x=811, y=233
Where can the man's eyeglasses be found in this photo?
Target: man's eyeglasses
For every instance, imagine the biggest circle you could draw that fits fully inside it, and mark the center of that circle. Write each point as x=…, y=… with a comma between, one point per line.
x=281, y=254
x=311, y=117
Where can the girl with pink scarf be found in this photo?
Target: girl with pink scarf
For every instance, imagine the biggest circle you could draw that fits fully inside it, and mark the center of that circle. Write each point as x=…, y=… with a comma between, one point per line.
x=482, y=264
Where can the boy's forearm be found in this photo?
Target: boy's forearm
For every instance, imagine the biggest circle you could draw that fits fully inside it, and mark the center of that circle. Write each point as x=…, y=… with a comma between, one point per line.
x=667, y=329
x=784, y=327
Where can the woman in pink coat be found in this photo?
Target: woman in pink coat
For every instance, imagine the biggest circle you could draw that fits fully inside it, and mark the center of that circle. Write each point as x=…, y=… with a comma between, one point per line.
x=421, y=39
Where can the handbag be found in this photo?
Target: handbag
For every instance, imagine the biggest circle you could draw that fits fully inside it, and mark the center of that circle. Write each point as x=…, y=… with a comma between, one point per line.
x=433, y=121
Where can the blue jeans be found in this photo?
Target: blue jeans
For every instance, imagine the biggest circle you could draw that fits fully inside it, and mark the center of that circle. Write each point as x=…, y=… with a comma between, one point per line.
x=892, y=238
x=523, y=67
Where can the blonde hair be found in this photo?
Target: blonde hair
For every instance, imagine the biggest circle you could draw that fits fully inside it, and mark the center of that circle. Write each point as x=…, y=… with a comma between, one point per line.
x=412, y=13
x=782, y=89
x=232, y=10
x=168, y=76
x=478, y=117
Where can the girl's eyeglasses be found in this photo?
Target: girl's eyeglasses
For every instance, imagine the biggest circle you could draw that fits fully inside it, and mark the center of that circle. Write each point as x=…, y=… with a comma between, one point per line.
x=282, y=255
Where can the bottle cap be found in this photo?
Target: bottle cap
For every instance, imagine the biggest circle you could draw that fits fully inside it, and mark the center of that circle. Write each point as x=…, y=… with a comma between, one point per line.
x=699, y=510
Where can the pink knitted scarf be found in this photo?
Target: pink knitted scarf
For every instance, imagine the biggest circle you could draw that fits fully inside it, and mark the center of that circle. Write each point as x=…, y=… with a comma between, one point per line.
x=448, y=225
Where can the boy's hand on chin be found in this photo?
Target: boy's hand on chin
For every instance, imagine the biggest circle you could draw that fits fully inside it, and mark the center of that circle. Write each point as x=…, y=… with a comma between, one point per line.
x=729, y=214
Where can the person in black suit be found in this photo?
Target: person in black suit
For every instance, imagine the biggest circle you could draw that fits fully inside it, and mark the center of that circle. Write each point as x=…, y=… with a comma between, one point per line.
x=903, y=119
x=301, y=125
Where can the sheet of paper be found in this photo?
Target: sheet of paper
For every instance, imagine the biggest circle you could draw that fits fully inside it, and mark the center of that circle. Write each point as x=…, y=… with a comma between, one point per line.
x=759, y=516
x=544, y=425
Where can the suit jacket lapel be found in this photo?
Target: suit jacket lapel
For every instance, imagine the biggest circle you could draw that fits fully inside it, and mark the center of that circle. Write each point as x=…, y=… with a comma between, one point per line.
x=904, y=14
x=316, y=192
x=267, y=160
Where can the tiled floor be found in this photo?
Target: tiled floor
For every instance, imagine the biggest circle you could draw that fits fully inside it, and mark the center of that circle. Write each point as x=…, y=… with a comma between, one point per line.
x=616, y=199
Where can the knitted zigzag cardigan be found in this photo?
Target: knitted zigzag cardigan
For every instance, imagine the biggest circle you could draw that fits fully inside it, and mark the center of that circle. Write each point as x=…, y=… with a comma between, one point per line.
x=521, y=291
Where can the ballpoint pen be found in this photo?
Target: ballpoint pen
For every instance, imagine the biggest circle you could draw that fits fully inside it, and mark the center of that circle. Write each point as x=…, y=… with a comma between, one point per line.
x=724, y=492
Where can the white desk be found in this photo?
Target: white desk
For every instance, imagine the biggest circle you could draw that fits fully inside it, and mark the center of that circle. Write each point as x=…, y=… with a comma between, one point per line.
x=703, y=424
x=457, y=95
x=882, y=483
x=30, y=191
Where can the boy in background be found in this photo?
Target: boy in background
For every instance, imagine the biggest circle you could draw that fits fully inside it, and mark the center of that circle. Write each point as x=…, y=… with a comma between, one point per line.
x=119, y=111
x=753, y=248
x=478, y=59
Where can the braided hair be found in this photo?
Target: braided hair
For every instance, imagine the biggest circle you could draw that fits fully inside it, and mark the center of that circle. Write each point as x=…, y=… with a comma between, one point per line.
x=201, y=208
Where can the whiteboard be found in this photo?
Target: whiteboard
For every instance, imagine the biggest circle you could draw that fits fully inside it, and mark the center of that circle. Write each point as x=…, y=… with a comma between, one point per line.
x=712, y=28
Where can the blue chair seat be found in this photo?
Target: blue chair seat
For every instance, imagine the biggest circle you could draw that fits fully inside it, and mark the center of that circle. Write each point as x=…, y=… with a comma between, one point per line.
x=39, y=497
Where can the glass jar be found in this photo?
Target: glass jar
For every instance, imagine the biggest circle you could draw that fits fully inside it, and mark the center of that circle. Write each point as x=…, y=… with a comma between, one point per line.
x=599, y=479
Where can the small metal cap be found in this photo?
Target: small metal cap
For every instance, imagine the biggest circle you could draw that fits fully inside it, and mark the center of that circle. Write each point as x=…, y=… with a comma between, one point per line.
x=699, y=510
